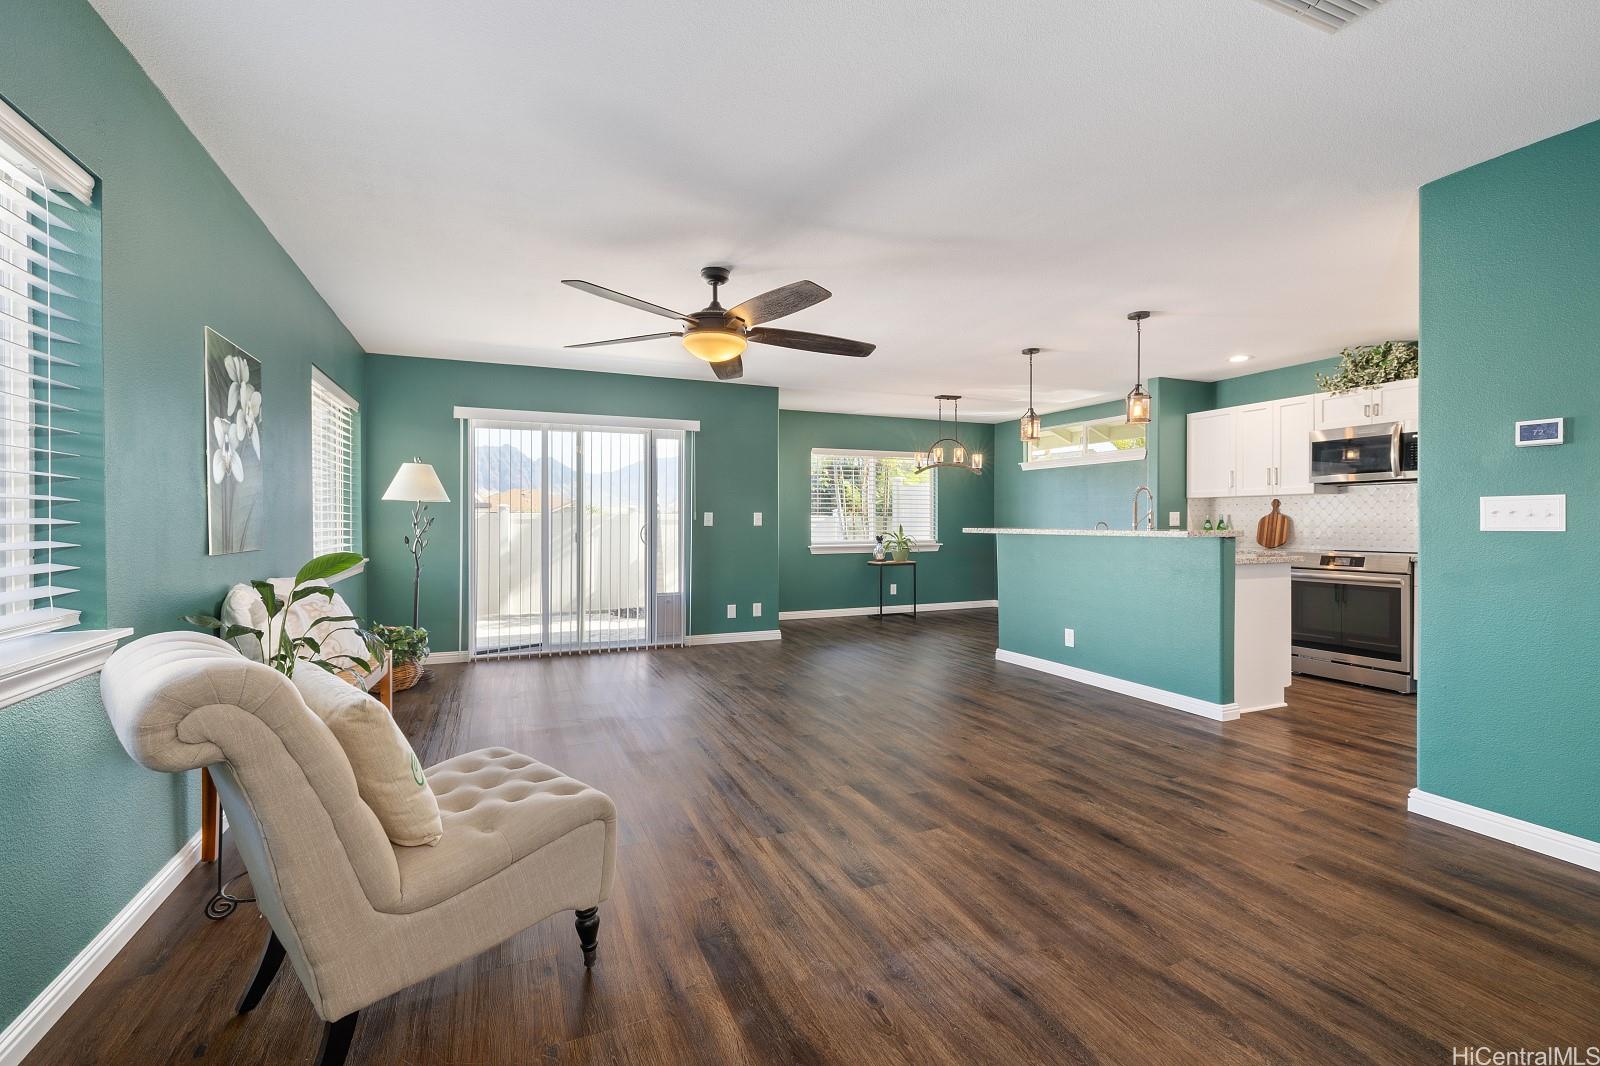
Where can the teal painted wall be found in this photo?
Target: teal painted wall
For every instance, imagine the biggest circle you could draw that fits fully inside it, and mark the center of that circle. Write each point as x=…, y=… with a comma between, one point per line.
x=1173, y=400
x=962, y=569
x=1280, y=384
x=82, y=827
x=1067, y=497
x=409, y=410
x=1158, y=611
x=1510, y=321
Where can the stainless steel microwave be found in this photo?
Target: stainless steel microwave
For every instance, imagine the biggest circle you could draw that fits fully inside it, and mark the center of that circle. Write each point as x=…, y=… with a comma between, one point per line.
x=1385, y=451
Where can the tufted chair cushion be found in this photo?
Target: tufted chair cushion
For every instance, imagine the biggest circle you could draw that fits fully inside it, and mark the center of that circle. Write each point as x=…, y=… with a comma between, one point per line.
x=497, y=807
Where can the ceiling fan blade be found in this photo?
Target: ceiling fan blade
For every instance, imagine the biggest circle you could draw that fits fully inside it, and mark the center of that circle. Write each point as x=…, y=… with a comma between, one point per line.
x=811, y=342
x=623, y=298
x=625, y=340
x=727, y=371
x=779, y=302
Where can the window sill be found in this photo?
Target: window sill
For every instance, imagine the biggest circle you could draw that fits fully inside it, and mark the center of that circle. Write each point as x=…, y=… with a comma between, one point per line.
x=862, y=549
x=1129, y=456
x=30, y=666
x=352, y=572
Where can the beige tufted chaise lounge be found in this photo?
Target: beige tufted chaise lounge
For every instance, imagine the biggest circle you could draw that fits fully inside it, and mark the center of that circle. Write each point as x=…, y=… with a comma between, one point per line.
x=359, y=917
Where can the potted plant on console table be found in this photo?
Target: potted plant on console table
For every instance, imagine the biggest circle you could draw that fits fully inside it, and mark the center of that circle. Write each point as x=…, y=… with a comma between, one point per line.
x=409, y=647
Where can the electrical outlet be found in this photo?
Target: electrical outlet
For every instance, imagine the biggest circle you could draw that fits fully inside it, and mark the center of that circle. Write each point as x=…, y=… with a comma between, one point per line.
x=755, y=610
x=1071, y=639
x=708, y=518
x=1173, y=521
x=894, y=589
x=733, y=610
x=758, y=518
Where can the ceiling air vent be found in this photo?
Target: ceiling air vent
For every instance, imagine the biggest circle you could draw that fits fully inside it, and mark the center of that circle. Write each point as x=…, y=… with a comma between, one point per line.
x=1329, y=14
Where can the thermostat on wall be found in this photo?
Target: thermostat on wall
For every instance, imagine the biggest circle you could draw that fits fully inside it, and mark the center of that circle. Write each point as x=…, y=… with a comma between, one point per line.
x=1539, y=431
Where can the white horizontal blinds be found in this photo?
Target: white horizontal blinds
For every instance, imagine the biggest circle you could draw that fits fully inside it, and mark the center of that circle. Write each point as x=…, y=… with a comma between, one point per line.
x=333, y=467
x=39, y=290
x=855, y=496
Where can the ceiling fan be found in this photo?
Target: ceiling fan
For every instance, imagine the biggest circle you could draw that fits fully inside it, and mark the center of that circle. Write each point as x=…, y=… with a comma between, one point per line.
x=719, y=335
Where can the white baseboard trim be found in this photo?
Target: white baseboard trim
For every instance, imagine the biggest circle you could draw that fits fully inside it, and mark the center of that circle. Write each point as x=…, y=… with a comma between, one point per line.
x=734, y=638
x=438, y=658
x=29, y=1027
x=893, y=608
x=1580, y=851
x=1222, y=712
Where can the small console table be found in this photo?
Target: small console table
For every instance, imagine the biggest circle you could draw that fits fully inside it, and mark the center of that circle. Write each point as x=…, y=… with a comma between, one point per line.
x=880, y=565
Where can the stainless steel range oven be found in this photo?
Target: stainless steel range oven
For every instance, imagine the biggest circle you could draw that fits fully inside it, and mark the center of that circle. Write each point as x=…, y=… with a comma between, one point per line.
x=1351, y=617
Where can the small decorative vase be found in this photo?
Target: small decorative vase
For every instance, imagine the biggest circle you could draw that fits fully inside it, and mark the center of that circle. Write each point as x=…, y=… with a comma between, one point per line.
x=877, y=551
x=902, y=554
x=406, y=675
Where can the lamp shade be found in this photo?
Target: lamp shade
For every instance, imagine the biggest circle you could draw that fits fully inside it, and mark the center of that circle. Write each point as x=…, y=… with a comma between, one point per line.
x=416, y=482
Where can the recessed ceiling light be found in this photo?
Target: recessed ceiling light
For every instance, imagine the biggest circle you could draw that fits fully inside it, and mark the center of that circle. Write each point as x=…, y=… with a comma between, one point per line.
x=1238, y=358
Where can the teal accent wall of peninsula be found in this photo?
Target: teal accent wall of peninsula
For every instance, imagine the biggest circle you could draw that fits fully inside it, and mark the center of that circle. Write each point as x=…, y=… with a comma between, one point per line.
x=410, y=412
x=1510, y=318
x=961, y=570
x=83, y=828
x=1153, y=610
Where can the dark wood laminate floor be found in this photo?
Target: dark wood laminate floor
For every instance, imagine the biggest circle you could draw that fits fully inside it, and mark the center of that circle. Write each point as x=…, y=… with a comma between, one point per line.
x=870, y=843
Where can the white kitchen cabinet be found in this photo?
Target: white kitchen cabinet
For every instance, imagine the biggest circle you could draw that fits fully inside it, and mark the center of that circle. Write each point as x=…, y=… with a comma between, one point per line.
x=1260, y=449
x=1211, y=453
x=1394, y=402
x=1292, y=474
x=1255, y=448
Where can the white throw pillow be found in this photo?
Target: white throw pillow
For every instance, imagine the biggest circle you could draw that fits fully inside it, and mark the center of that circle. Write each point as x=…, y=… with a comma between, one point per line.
x=388, y=773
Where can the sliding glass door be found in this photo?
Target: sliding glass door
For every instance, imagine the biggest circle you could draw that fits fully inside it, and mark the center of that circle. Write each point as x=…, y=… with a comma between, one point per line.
x=577, y=540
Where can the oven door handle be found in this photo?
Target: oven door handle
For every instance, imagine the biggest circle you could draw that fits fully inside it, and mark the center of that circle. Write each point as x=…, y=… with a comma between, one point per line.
x=1394, y=450
x=1323, y=577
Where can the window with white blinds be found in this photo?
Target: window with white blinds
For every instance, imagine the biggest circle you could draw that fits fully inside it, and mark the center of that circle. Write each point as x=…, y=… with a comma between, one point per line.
x=42, y=300
x=857, y=495
x=334, y=415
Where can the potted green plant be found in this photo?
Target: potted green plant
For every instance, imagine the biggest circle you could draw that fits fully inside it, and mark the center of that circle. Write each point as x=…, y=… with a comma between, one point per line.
x=409, y=647
x=900, y=544
x=281, y=649
x=1369, y=365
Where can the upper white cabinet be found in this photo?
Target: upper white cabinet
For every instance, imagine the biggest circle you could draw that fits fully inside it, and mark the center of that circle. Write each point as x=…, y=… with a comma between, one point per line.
x=1260, y=449
x=1211, y=455
x=1394, y=402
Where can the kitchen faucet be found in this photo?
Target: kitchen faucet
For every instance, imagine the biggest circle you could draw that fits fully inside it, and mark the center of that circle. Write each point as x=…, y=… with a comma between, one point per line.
x=1150, y=515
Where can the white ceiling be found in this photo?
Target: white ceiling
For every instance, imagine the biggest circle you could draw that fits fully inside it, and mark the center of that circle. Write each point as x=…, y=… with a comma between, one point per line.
x=968, y=179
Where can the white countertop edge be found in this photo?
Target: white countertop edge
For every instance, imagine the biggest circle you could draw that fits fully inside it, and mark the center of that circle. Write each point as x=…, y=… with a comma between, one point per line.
x=1168, y=534
x=33, y=665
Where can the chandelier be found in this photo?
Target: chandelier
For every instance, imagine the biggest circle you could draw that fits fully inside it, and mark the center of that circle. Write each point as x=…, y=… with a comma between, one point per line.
x=949, y=451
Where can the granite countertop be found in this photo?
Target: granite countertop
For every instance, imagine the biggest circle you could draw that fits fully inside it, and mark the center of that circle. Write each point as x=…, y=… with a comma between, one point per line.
x=1164, y=533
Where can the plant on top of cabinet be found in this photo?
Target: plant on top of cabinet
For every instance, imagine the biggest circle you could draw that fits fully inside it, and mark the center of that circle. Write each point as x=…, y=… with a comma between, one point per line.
x=1367, y=365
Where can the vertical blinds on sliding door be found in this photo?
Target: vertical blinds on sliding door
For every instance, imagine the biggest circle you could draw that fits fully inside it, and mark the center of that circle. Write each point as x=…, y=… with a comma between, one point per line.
x=41, y=298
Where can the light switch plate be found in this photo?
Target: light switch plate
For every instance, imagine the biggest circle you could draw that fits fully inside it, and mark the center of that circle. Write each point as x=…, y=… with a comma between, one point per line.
x=758, y=518
x=733, y=610
x=755, y=610
x=1522, y=514
x=708, y=518
x=1173, y=521
x=894, y=590
x=1071, y=639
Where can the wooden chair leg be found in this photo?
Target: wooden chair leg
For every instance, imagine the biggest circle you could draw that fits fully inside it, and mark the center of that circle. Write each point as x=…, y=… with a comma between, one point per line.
x=588, y=925
x=210, y=818
x=271, y=959
x=336, y=1038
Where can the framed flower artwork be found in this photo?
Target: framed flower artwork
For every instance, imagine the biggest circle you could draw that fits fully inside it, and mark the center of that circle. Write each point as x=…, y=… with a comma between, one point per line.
x=235, y=483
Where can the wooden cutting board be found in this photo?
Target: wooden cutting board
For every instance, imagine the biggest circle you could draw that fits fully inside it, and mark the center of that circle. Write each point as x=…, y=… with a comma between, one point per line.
x=1273, y=530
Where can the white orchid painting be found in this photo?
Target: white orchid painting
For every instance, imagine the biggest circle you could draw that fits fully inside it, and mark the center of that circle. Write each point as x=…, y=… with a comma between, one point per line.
x=235, y=482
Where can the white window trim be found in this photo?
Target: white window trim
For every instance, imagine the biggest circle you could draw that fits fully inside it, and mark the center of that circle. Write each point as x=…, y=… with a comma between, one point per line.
x=55, y=163
x=867, y=549
x=320, y=380
x=1129, y=455
x=489, y=415
x=33, y=665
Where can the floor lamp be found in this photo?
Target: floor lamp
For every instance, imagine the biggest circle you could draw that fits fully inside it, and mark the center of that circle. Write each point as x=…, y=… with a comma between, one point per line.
x=417, y=483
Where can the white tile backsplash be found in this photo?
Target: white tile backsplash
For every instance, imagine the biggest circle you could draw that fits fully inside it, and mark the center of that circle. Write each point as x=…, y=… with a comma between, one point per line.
x=1370, y=517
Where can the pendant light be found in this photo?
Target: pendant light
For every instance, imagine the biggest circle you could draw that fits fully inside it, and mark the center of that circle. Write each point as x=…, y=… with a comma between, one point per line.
x=1138, y=399
x=958, y=454
x=1029, y=426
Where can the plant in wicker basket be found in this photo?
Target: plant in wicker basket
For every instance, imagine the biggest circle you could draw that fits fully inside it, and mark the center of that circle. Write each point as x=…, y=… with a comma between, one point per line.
x=409, y=646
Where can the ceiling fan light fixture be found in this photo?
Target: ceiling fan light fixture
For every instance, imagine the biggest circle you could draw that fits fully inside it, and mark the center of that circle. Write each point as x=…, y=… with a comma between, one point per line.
x=714, y=345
